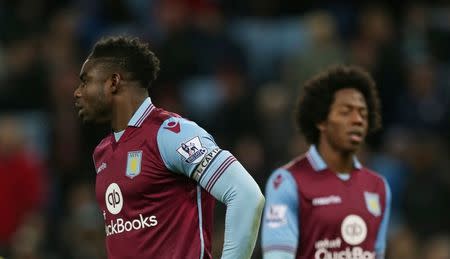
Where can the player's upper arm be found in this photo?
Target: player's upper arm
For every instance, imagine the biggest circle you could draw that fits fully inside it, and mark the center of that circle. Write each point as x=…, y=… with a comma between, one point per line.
x=380, y=244
x=184, y=145
x=280, y=231
x=188, y=149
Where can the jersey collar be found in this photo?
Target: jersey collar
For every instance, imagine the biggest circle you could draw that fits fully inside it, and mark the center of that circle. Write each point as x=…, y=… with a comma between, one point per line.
x=317, y=162
x=142, y=113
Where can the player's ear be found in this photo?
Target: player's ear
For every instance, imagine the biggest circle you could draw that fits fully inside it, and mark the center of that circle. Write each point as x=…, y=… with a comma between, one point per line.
x=115, y=82
x=321, y=126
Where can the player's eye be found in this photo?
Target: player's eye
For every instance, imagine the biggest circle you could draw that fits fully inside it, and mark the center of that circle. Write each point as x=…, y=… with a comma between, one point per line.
x=344, y=111
x=363, y=114
x=82, y=84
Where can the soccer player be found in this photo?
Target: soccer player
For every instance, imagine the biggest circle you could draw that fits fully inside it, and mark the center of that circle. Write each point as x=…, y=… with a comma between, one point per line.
x=157, y=173
x=325, y=204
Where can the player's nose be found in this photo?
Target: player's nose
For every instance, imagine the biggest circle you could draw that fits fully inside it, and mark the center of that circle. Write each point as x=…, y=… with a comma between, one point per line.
x=77, y=93
x=357, y=118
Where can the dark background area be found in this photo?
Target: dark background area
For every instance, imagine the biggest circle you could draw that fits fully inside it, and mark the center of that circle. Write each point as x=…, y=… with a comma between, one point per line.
x=236, y=68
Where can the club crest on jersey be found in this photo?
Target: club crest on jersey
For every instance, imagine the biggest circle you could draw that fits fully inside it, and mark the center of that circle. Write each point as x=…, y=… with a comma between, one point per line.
x=134, y=161
x=373, y=203
x=192, y=150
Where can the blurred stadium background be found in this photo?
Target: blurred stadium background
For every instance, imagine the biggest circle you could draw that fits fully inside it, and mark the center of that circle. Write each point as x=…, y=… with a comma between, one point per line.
x=236, y=68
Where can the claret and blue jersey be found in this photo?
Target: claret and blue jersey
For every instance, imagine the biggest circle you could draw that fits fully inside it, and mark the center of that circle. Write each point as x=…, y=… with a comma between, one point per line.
x=313, y=212
x=155, y=185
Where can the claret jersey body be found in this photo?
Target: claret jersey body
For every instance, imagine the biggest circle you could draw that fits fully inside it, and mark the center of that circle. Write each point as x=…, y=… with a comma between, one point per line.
x=312, y=212
x=147, y=186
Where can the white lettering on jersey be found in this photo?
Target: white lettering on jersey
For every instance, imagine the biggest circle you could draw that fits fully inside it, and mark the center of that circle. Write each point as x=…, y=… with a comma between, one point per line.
x=276, y=215
x=120, y=225
x=326, y=243
x=114, y=204
x=355, y=252
x=204, y=164
x=101, y=167
x=349, y=253
x=332, y=199
x=354, y=232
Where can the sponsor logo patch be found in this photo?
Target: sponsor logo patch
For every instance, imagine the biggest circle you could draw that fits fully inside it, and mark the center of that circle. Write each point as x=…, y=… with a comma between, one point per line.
x=113, y=198
x=353, y=230
x=192, y=150
x=114, y=204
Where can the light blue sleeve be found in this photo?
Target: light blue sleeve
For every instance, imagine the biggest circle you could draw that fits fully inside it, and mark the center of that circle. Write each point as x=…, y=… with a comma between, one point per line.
x=278, y=254
x=183, y=145
x=280, y=227
x=380, y=244
x=193, y=152
x=229, y=182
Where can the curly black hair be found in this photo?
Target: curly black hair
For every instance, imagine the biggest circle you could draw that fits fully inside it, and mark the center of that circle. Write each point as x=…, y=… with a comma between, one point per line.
x=317, y=97
x=131, y=55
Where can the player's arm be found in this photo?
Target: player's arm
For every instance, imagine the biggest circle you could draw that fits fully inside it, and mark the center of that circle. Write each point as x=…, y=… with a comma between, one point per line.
x=380, y=244
x=219, y=173
x=228, y=181
x=280, y=227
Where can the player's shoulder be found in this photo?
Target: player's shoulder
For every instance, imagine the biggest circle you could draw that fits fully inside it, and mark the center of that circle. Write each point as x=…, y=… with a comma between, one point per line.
x=280, y=173
x=371, y=174
x=289, y=171
x=102, y=147
x=298, y=166
x=181, y=134
x=373, y=177
x=280, y=181
x=159, y=116
x=171, y=122
x=103, y=144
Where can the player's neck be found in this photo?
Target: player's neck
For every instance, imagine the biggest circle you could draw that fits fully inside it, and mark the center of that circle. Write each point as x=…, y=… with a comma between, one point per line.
x=123, y=109
x=336, y=160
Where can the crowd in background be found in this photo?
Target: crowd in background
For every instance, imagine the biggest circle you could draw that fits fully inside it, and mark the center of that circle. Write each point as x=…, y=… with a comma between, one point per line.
x=236, y=68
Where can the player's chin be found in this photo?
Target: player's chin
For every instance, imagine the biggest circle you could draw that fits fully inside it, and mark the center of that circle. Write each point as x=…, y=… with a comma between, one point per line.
x=84, y=116
x=86, y=120
x=353, y=146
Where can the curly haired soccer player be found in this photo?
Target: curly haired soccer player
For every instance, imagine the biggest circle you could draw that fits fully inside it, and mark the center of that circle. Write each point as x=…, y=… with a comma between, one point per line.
x=325, y=203
x=157, y=173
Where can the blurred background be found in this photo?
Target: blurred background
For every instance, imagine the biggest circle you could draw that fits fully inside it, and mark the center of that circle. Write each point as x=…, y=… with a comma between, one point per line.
x=236, y=68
